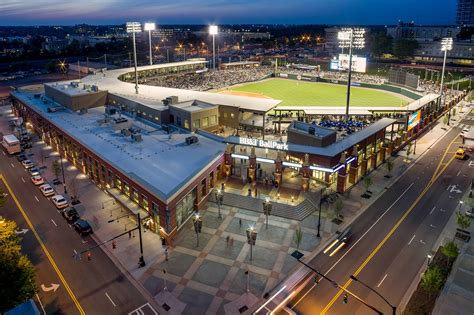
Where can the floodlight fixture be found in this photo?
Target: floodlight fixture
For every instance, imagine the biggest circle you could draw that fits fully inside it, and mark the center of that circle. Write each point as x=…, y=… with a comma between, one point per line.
x=354, y=37
x=213, y=29
x=134, y=27
x=446, y=44
x=149, y=26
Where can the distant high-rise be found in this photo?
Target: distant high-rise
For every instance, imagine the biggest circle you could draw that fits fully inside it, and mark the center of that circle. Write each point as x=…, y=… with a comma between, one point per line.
x=465, y=12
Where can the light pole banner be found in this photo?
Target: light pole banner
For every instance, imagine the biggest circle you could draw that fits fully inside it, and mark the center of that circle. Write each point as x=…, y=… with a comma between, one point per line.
x=414, y=120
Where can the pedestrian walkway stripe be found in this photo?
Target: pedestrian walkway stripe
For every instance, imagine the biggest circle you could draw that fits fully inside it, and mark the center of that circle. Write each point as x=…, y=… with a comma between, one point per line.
x=43, y=246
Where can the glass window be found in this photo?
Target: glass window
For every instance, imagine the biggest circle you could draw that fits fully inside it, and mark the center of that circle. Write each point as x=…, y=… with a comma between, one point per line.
x=205, y=122
x=186, y=124
x=185, y=207
x=197, y=124
x=232, y=115
x=213, y=120
x=225, y=115
x=135, y=196
x=145, y=203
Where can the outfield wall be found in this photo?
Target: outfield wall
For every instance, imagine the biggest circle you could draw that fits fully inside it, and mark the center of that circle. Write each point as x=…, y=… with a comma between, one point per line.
x=384, y=87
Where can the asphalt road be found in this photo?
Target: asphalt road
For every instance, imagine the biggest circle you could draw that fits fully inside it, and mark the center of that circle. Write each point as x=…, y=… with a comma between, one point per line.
x=391, y=240
x=98, y=286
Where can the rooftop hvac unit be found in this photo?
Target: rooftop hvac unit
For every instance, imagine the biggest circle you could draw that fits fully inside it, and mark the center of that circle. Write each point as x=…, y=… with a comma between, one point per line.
x=75, y=84
x=312, y=131
x=165, y=128
x=136, y=137
x=95, y=88
x=191, y=140
x=125, y=132
x=134, y=130
x=110, y=110
x=170, y=100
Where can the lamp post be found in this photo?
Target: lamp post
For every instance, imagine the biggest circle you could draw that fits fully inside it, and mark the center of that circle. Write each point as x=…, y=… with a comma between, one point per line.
x=197, y=221
x=213, y=30
x=352, y=38
x=394, y=308
x=150, y=27
x=251, y=239
x=446, y=44
x=62, y=171
x=134, y=27
x=267, y=209
x=219, y=198
x=320, y=206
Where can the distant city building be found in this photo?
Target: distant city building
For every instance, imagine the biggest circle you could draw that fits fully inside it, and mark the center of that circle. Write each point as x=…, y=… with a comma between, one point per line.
x=331, y=40
x=462, y=52
x=421, y=33
x=465, y=12
x=53, y=44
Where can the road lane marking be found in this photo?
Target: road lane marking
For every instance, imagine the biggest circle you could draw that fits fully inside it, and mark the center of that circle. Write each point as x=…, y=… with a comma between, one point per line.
x=4, y=153
x=12, y=165
x=381, y=281
x=421, y=241
x=413, y=237
x=37, y=199
x=458, y=173
x=22, y=179
x=43, y=246
x=442, y=210
x=40, y=303
x=431, y=212
x=54, y=222
x=363, y=235
x=433, y=226
x=110, y=299
x=394, y=228
x=447, y=189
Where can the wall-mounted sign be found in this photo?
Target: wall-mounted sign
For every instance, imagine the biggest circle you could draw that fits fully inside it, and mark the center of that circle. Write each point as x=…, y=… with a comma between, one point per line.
x=269, y=144
x=414, y=120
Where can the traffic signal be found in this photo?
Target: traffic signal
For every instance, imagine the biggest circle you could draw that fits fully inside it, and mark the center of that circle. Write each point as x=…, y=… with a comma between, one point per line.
x=344, y=299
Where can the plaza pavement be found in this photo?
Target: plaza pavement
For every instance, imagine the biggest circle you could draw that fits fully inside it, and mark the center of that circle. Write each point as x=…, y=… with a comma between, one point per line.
x=202, y=280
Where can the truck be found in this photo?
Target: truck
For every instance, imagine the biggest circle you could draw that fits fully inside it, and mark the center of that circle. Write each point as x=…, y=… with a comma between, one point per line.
x=11, y=144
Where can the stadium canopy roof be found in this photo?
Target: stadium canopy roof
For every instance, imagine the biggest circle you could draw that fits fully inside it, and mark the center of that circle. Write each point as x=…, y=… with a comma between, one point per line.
x=109, y=81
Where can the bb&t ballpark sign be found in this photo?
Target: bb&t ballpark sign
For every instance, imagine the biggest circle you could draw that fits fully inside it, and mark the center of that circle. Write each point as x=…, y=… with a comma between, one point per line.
x=268, y=144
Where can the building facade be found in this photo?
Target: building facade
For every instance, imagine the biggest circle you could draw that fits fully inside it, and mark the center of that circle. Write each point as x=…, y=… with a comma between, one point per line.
x=465, y=13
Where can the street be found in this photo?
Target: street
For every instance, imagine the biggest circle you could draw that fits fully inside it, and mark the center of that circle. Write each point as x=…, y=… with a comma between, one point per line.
x=391, y=240
x=85, y=287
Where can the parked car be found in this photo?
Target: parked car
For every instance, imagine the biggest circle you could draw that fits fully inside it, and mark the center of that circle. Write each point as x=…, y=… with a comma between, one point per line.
x=37, y=180
x=26, y=145
x=27, y=163
x=21, y=157
x=82, y=227
x=34, y=171
x=70, y=214
x=470, y=212
x=59, y=201
x=460, y=154
x=47, y=190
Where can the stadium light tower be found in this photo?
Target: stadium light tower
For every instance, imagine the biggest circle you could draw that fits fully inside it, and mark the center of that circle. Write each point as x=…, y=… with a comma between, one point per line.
x=352, y=38
x=150, y=27
x=213, y=30
x=134, y=27
x=446, y=44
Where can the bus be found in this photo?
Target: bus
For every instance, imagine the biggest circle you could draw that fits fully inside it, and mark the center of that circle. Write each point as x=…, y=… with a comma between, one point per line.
x=11, y=144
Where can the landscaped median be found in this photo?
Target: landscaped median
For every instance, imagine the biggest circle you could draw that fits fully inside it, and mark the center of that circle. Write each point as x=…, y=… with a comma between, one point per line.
x=432, y=281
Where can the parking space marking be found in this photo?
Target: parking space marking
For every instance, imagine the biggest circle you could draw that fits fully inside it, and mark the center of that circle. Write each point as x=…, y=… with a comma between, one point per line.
x=12, y=165
x=381, y=281
x=106, y=294
x=54, y=222
x=431, y=212
x=37, y=199
x=22, y=179
x=411, y=239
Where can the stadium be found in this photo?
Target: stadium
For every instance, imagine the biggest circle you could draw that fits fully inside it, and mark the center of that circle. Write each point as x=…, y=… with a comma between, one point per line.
x=279, y=131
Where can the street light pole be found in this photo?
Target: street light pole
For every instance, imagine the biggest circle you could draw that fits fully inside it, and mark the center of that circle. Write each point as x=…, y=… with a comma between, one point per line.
x=320, y=206
x=298, y=255
x=134, y=27
x=197, y=226
x=219, y=198
x=251, y=239
x=62, y=171
x=267, y=209
x=141, y=260
x=394, y=308
x=446, y=44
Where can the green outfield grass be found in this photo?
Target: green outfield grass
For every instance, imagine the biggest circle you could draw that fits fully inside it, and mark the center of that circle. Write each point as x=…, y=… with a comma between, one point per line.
x=300, y=93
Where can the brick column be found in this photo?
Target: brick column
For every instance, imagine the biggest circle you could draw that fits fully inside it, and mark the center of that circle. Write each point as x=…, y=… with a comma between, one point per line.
x=252, y=170
x=363, y=165
x=228, y=160
x=306, y=172
x=354, y=170
x=341, y=180
x=278, y=169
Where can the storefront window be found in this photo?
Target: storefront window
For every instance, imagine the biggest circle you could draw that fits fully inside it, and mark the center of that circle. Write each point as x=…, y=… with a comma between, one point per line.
x=145, y=203
x=185, y=207
x=118, y=183
x=126, y=189
x=135, y=196
x=196, y=124
x=205, y=122
x=213, y=120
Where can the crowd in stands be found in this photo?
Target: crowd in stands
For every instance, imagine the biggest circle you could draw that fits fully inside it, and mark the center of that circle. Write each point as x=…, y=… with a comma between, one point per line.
x=349, y=126
x=336, y=75
x=209, y=80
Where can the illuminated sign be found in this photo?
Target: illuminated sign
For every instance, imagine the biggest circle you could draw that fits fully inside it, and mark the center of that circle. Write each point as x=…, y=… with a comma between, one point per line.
x=414, y=120
x=359, y=64
x=269, y=144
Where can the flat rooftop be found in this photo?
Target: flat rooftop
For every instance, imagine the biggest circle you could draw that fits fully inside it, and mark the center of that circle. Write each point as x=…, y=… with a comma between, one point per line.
x=193, y=106
x=161, y=163
x=304, y=127
x=70, y=88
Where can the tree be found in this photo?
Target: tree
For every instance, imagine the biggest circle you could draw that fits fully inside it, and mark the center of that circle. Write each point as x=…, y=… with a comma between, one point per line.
x=453, y=112
x=389, y=166
x=409, y=146
x=17, y=274
x=450, y=250
x=338, y=208
x=462, y=220
x=432, y=279
x=298, y=237
x=445, y=120
x=379, y=43
x=405, y=48
x=57, y=171
x=460, y=108
x=367, y=182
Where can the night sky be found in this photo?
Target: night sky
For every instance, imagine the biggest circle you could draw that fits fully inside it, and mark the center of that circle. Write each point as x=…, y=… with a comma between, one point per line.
x=69, y=12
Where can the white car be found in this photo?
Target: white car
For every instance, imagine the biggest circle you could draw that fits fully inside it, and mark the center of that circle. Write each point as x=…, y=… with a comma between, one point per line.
x=47, y=190
x=27, y=164
x=59, y=201
x=37, y=180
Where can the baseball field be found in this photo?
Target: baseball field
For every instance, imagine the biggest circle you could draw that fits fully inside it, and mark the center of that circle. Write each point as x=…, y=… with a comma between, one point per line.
x=301, y=93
